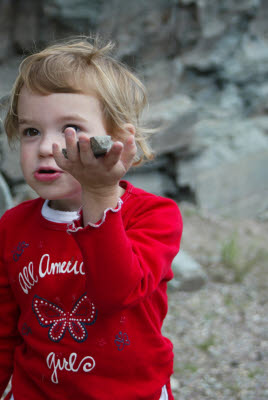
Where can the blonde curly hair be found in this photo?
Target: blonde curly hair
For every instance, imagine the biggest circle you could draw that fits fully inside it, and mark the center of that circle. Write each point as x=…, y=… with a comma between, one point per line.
x=84, y=65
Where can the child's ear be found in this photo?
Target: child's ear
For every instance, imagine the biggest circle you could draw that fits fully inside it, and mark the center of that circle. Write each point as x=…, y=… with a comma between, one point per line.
x=129, y=128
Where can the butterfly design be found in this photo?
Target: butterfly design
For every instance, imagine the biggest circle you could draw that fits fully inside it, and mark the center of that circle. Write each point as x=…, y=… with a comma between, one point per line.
x=52, y=316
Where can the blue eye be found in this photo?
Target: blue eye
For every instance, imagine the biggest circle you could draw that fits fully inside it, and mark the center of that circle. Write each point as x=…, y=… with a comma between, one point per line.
x=30, y=132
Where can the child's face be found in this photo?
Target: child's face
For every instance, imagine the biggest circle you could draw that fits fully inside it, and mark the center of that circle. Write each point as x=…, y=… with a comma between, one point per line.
x=42, y=121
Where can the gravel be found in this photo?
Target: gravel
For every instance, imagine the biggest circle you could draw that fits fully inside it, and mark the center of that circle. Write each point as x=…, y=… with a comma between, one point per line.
x=220, y=332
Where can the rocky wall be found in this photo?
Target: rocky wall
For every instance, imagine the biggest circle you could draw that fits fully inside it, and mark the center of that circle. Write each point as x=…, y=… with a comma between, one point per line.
x=205, y=66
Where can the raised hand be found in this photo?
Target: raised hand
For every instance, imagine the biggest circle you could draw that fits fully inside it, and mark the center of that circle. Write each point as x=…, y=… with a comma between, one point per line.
x=98, y=177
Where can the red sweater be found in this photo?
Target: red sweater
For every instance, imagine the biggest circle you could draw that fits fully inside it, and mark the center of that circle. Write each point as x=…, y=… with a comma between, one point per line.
x=81, y=312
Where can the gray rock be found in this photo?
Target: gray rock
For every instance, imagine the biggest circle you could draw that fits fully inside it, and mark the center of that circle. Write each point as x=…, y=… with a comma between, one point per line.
x=257, y=96
x=142, y=29
x=210, y=18
x=101, y=145
x=64, y=152
x=5, y=29
x=26, y=13
x=237, y=188
x=152, y=181
x=212, y=54
x=205, y=66
x=10, y=163
x=231, y=101
x=228, y=175
x=72, y=10
x=189, y=274
x=8, y=73
x=258, y=26
x=249, y=65
x=6, y=201
x=175, y=117
x=162, y=78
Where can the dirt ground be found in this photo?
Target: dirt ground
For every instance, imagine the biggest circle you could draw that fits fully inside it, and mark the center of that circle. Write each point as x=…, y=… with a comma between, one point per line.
x=220, y=333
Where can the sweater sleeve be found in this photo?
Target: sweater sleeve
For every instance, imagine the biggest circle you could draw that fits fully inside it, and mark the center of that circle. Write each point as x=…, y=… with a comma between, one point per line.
x=125, y=264
x=9, y=335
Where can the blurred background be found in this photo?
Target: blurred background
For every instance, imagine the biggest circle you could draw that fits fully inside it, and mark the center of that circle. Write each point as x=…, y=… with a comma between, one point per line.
x=205, y=65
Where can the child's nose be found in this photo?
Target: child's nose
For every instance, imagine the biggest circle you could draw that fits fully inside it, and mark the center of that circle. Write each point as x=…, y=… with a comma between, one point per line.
x=46, y=142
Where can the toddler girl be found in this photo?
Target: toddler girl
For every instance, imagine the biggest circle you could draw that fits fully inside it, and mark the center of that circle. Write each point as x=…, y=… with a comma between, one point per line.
x=84, y=267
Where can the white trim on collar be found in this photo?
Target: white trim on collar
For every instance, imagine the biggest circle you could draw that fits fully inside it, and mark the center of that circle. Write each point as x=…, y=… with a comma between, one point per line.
x=61, y=217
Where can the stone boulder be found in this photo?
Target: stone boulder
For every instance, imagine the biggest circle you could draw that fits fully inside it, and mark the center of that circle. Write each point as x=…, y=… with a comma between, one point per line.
x=6, y=29
x=6, y=200
x=205, y=66
x=189, y=275
x=228, y=176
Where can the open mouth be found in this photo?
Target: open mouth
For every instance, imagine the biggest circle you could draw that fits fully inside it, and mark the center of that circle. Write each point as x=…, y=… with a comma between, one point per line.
x=47, y=174
x=46, y=171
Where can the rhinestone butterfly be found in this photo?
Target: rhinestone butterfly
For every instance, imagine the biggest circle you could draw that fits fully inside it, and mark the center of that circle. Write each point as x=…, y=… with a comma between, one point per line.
x=52, y=316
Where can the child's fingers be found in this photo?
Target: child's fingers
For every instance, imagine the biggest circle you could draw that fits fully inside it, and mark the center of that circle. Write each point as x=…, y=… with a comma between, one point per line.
x=86, y=154
x=114, y=154
x=58, y=156
x=129, y=152
x=71, y=144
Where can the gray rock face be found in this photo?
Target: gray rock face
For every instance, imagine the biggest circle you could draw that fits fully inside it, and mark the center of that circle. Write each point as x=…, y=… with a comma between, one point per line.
x=6, y=201
x=175, y=116
x=154, y=182
x=10, y=161
x=205, y=66
x=189, y=274
x=228, y=175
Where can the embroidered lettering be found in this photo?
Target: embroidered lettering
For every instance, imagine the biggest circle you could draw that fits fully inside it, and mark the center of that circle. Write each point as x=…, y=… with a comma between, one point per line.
x=48, y=268
x=27, y=279
x=72, y=365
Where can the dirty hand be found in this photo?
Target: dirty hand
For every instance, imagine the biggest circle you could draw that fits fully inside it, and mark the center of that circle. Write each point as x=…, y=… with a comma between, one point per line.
x=96, y=175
